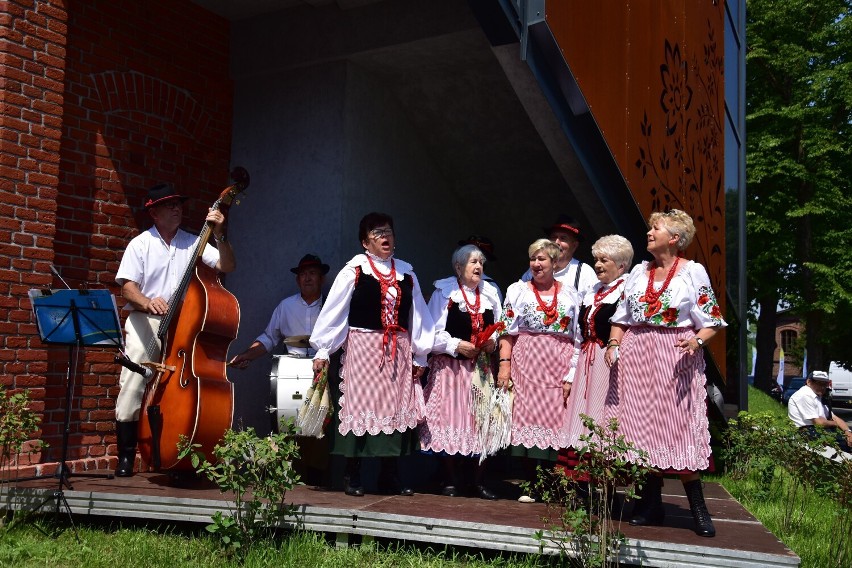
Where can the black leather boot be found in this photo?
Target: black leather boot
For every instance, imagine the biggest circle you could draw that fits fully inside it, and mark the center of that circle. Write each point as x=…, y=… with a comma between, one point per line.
x=389, y=482
x=352, y=478
x=480, y=489
x=648, y=510
x=703, y=522
x=126, y=435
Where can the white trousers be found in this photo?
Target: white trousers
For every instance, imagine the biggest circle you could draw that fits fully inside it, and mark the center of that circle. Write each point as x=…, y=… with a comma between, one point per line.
x=141, y=346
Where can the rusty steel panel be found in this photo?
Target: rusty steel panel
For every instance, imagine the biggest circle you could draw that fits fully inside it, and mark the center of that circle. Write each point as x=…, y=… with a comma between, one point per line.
x=652, y=74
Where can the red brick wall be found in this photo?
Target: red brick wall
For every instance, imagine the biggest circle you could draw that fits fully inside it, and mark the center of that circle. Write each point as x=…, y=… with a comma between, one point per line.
x=110, y=99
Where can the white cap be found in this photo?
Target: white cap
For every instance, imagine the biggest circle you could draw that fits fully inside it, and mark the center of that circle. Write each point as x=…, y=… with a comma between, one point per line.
x=818, y=376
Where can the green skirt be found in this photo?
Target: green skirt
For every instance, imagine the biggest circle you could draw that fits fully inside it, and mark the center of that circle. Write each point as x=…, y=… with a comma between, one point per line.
x=534, y=453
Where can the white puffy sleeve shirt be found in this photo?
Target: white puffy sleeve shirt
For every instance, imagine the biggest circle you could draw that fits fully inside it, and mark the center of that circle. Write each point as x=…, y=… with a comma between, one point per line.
x=158, y=267
x=688, y=301
x=332, y=325
x=447, y=289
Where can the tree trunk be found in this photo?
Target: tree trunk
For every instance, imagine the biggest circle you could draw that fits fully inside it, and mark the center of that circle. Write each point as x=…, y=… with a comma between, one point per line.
x=815, y=348
x=764, y=378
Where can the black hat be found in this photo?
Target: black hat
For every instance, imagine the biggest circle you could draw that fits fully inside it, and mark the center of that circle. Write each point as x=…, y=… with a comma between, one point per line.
x=160, y=193
x=310, y=260
x=482, y=243
x=565, y=223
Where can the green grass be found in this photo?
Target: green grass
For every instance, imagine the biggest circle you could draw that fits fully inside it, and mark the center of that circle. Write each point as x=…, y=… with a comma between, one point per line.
x=759, y=401
x=111, y=546
x=812, y=519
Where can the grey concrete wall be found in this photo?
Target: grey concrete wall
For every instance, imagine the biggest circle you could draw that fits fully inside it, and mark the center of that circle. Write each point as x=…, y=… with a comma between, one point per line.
x=387, y=168
x=288, y=133
x=324, y=145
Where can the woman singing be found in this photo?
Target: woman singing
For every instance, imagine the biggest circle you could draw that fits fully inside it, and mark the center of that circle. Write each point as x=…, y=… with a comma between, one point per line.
x=376, y=312
x=538, y=356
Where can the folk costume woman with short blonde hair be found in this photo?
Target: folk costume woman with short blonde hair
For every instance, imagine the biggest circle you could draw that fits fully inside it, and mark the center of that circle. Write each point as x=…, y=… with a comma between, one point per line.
x=655, y=349
x=538, y=356
x=613, y=256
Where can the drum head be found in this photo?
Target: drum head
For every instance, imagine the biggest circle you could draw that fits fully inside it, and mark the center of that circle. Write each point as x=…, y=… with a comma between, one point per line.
x=290, y=378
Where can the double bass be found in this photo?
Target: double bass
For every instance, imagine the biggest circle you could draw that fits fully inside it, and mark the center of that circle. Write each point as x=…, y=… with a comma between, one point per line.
x=189, y=394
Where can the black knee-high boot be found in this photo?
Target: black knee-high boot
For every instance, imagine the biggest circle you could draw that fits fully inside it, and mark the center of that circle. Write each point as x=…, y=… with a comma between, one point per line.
x=479, y=488
x=450, y=483
x=703, y=522
x=648, y=510
x=389, y=481
x=352, y=478
x=126, y=434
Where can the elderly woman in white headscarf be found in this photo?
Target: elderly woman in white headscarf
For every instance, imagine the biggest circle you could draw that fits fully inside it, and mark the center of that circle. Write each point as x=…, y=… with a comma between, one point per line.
x=463, y=307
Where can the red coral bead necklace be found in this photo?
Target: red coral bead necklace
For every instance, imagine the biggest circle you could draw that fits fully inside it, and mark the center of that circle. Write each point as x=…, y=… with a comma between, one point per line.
x=651, y=295
x=549, y=310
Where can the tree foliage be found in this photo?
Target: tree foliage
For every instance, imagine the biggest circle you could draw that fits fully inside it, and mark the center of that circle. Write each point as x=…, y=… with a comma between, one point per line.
x=798, y=95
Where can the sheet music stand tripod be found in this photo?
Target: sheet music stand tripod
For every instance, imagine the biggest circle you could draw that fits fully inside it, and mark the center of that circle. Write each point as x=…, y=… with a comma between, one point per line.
x=77, y=318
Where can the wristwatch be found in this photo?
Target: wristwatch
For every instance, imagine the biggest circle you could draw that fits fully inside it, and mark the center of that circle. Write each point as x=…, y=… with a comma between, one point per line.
x=699, y=341
x=221, y=238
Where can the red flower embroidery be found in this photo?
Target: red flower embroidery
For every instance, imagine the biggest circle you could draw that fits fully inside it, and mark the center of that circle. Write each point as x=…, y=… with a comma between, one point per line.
x=563, y=323
x=703, y=299
x=670, y=315
x=510, y=313
x=652, y=308
x=716, y=312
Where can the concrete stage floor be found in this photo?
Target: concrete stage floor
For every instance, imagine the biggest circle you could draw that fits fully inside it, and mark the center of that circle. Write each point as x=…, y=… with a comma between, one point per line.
x=504, y=524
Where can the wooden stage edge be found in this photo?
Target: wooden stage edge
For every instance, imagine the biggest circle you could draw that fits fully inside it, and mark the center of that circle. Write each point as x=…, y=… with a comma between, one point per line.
x=502, y=525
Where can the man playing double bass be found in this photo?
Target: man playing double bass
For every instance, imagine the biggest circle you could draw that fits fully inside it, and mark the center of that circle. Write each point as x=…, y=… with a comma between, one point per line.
x=149, y=273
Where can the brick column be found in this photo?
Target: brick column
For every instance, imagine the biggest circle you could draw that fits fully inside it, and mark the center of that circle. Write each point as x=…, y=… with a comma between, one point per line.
x=32, y=72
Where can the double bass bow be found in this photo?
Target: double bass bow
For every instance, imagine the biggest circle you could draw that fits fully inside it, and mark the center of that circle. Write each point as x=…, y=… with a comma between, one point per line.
x=189, y=394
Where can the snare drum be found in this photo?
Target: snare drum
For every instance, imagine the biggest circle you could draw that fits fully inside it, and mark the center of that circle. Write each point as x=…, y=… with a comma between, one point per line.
x=290, y=379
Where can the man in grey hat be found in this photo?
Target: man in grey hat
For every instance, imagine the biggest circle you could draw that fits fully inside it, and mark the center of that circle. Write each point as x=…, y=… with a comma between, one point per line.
x=149, y=273
x=807, y=410
x=294, y=316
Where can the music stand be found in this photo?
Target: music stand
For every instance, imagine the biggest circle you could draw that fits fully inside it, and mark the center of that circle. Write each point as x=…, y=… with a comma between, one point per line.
x=77, y=318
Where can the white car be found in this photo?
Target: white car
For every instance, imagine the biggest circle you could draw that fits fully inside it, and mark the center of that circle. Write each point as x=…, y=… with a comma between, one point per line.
x=841, y=384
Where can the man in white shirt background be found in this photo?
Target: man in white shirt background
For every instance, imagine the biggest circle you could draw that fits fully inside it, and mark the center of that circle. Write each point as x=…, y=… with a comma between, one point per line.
x=294, y=316
x=566, y=233
x=807, y=410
